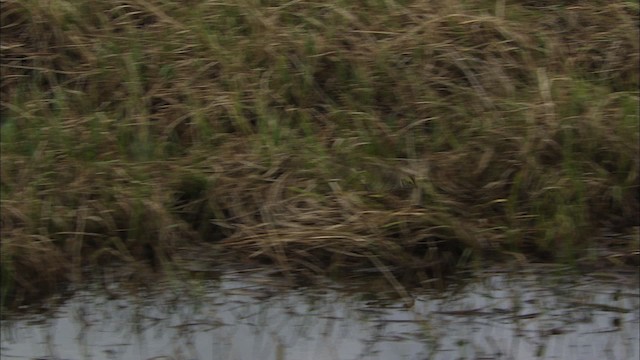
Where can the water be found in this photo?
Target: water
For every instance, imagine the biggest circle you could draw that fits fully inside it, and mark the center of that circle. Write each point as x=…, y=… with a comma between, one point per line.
x=249, y=315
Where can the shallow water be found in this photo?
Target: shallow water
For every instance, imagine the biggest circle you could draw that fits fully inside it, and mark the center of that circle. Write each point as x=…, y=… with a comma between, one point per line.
x=249, y=315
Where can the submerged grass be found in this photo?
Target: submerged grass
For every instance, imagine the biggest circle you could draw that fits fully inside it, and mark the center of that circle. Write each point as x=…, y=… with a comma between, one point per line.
x=320, y=137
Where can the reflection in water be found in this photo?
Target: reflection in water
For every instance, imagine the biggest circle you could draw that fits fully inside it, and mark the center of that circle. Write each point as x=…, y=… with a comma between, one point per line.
x=250, y=316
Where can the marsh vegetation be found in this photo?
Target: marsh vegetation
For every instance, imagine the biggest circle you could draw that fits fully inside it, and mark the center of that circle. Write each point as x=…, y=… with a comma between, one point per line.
x=316, y=137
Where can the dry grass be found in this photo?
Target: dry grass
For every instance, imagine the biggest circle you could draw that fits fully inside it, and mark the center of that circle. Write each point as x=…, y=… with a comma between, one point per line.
x=320, y=137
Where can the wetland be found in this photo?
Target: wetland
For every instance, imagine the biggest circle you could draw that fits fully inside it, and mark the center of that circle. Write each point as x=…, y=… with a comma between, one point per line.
x=367, y=161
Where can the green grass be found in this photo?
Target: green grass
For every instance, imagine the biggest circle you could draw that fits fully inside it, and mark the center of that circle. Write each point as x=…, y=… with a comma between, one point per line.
x=316, y=136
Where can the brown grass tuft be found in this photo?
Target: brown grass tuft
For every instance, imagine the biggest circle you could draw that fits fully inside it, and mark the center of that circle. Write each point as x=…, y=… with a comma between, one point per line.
x=320, y=137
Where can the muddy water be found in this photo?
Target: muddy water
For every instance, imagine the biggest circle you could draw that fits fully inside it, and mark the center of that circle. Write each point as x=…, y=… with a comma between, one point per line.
x=249, y=315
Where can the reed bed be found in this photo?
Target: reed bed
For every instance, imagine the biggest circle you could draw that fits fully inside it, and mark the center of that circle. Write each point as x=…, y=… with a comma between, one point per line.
x=316, y=137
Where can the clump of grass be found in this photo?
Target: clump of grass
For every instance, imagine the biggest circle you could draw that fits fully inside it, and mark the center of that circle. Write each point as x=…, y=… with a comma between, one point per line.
x=319, y=137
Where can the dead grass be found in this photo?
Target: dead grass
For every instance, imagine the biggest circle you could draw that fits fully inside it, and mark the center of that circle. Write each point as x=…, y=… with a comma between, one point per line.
x=318, y=137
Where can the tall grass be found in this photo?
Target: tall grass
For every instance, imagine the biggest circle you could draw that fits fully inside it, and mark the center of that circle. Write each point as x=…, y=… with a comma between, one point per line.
x=318, y=136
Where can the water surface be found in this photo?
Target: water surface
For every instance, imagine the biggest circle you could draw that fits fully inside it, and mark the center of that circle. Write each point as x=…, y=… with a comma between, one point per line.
x=250, y=315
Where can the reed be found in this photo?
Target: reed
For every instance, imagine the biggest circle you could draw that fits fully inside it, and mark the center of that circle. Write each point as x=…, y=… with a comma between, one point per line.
x=319, y=137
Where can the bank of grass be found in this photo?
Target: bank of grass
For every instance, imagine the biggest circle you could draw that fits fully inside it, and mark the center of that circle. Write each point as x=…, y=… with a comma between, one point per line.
x=320, y=137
